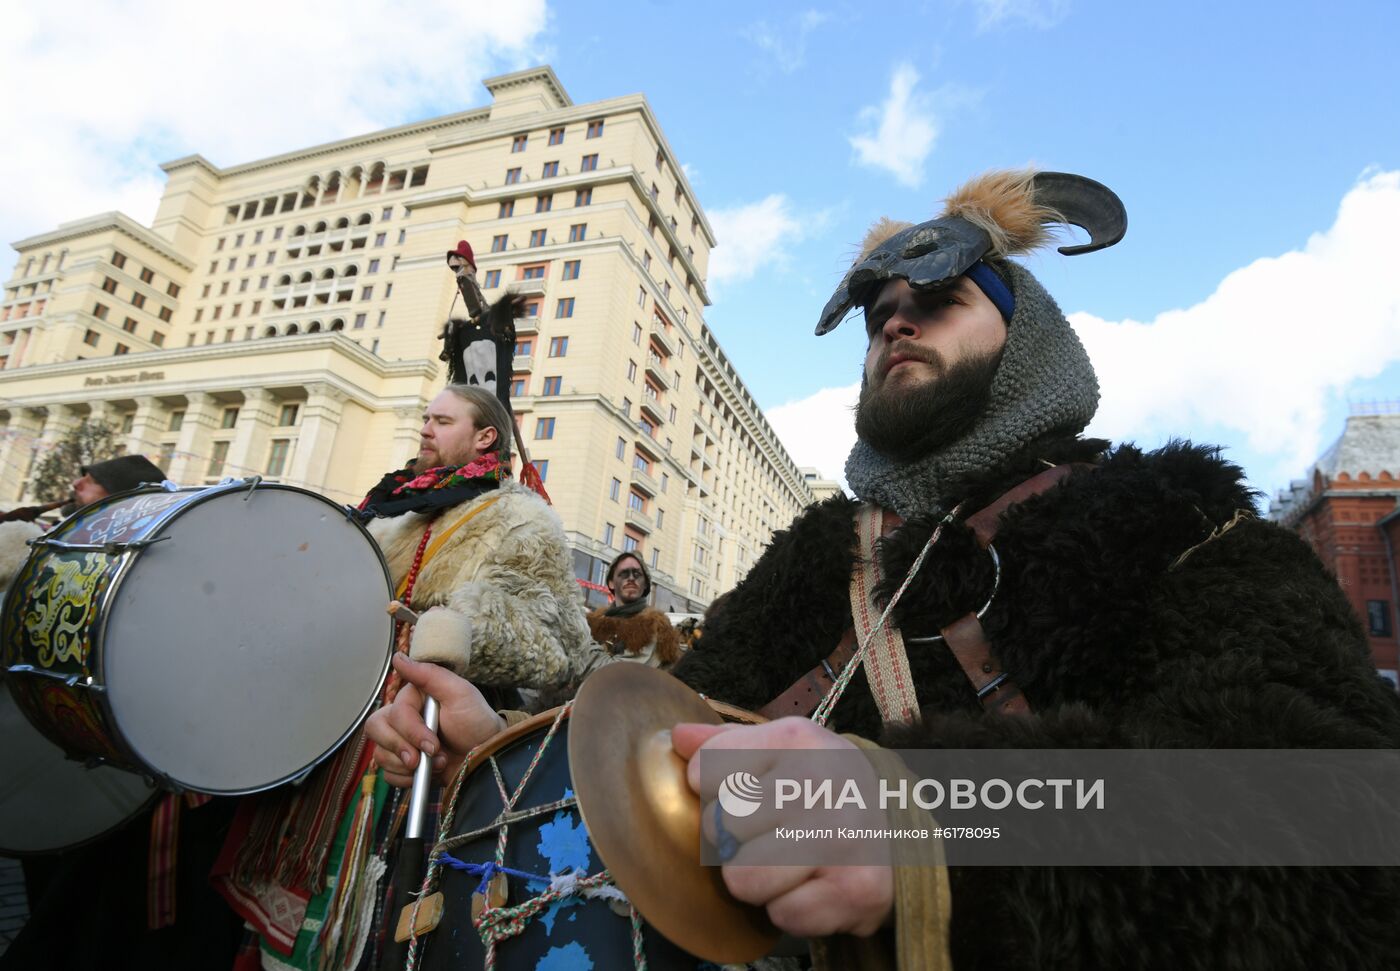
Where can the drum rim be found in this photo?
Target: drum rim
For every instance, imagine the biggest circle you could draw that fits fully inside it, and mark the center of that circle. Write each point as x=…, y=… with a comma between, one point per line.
x=163, y=522
x=512, y=733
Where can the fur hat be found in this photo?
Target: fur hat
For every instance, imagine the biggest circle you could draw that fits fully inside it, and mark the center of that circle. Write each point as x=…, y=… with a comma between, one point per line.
x=124, y=473
x=994, y=216
x=1044, y=386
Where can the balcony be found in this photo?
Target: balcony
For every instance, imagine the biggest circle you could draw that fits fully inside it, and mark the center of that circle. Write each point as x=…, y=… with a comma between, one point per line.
x=523, y=362
x=640, y=520
x=656, y=370
x=653, y=409
x=663, y=341
x=643, y=481
x=529, y=288
x=526, y=326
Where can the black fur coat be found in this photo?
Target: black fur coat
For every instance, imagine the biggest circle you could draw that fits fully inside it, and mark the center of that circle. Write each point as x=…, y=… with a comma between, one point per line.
x=1117, y=642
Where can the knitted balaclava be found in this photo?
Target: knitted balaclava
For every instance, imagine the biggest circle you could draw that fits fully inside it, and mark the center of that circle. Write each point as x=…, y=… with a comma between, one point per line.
x=1044, y=385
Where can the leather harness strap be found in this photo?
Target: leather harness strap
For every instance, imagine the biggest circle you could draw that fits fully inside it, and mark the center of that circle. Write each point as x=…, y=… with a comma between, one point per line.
x=965, y=637
x=807, y=691
x=973, y=652
x=984, y=522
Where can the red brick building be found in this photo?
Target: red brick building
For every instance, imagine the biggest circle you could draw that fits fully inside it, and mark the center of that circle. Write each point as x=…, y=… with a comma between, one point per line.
x=1348, y=509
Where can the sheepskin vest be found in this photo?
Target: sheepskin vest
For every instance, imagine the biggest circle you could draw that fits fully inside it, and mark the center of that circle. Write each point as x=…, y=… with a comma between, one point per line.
x=508, y=570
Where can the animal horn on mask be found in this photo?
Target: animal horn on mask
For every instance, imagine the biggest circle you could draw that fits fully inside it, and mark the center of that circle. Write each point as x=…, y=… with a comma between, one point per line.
x=997, y=214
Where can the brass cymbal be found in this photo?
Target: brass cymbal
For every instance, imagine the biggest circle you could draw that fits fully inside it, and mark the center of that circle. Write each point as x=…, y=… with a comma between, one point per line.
x=643, y=818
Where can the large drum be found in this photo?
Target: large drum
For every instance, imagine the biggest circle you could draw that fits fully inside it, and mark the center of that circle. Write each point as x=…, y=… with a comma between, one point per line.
x=50, y=802
x=546, y=838
x=222, y=640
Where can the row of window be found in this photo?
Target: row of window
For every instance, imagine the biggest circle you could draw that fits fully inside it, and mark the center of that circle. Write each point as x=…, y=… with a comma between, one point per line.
x=103, y=312
x=147, y=275
x=535, y=271
x=550, y=170
x=378, y=180
x=544, y=203
x=363, y=219
x=137, y=299
x=578, y=232
x=556, y=136
x=285, y=280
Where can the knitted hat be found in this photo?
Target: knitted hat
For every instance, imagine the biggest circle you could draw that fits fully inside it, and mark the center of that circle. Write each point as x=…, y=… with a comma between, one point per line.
x=1044, y=386
x=124, y=473
x=464, y=250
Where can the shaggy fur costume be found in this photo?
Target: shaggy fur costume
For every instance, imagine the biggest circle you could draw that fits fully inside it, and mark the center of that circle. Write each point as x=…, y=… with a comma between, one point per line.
x=14, y=548
x=648, y=637
x=1117, y=642
x=507, y=571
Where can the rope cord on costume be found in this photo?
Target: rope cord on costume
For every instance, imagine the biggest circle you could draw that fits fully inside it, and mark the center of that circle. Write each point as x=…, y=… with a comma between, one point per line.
x=833, y=696
x=498, y=923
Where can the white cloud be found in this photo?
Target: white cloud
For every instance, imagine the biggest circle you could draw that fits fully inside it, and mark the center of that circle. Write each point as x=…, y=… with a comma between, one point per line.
x=786, y=45
x=1260, y=358
x=901, y=131
x=1041, y=14
x=99, y=95
x=820, y=429
x=752, y=236
x=1265, y=352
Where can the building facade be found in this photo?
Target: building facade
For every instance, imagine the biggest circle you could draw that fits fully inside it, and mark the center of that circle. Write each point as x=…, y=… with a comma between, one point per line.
x=282, y=317
x=1348, y=510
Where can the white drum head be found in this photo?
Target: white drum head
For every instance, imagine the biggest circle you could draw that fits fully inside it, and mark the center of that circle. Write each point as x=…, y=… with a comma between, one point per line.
x=48, y=802
x=247, y=646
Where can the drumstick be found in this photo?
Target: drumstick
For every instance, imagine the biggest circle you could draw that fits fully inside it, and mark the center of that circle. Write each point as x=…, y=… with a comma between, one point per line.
x=411, y=849
x=422, y=774
x=400, y=611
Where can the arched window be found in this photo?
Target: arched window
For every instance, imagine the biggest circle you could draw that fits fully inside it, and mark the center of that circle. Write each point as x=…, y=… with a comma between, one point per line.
x=364, y=219
x=351, y=270
x=299, y=231
x=337, y=324
x=315, y=327
x=376, y=178
x=270, y=332
x=327, y=274
x=284, y=280
x=342, y=223
x=305, y=277
x=293, y=330
x=320, y=227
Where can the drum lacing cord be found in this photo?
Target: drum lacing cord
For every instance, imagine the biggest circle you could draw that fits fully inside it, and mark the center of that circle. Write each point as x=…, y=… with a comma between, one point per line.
x=824, y=709
x=497, y=923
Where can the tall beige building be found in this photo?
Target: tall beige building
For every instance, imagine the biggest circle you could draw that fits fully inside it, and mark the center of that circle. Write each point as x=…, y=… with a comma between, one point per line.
x=281, y=318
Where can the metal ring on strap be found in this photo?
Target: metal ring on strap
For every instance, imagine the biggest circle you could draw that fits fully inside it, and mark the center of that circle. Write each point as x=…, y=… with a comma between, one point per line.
x=996, y=584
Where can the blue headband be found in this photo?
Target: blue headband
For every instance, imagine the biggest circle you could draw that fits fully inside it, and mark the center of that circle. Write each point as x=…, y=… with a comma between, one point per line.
x=991, y=284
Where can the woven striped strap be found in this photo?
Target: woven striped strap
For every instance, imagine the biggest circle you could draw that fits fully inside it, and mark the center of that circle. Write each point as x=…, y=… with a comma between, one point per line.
x=441, y=538
x=886, y=661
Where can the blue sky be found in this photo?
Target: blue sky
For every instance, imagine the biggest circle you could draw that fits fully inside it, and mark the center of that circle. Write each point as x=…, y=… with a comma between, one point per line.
x=1257, y=148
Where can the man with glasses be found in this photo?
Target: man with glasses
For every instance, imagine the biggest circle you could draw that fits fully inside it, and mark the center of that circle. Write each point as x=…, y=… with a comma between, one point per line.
x=630, y=629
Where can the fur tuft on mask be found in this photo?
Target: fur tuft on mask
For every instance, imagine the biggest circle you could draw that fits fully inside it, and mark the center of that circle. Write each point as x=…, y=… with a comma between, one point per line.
x=878, y=233
x=1002, y=203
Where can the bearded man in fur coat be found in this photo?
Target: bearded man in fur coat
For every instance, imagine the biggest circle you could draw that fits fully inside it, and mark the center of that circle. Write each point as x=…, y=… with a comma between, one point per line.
x=497, y=599
x=629, y=628
x=1141, y=605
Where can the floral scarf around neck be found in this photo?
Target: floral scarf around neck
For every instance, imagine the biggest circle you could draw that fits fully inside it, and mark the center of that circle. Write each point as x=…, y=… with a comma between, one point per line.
x=432, y=490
